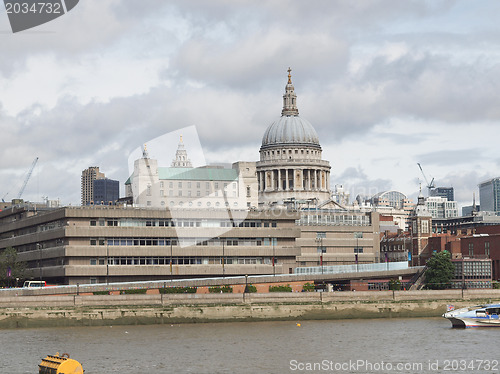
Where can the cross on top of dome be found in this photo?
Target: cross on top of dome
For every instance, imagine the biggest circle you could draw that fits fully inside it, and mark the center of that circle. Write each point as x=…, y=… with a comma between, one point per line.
x=289, y=98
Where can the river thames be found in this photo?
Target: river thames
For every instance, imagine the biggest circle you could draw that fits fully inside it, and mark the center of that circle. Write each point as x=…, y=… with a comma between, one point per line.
x=419, y=345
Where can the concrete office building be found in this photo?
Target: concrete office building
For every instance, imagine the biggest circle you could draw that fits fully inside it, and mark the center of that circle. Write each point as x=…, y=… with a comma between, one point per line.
x=98, y=244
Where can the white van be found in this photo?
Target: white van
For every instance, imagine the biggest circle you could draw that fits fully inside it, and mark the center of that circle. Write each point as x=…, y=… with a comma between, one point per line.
x=30, y=284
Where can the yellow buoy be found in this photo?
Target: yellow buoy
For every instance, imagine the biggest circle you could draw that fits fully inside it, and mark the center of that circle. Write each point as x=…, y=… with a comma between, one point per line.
x=298, y=324
x=59, y=365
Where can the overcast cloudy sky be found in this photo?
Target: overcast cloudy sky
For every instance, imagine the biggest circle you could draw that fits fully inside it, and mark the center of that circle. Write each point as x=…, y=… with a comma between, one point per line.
x=385, y=83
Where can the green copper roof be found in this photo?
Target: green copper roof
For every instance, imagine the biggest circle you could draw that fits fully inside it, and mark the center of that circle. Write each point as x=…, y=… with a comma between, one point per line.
x=202, y=174
x=196, y=174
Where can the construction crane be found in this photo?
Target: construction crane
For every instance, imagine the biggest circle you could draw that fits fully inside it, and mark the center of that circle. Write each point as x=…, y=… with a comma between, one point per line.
x=27, y=178
x=430, y=185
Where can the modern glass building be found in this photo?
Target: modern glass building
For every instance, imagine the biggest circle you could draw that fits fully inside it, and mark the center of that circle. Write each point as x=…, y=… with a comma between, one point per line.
x=446, y=192
x=106, y=191
x=489, y=195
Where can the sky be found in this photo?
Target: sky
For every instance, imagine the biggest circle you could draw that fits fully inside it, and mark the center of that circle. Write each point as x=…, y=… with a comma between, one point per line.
x=386, y=84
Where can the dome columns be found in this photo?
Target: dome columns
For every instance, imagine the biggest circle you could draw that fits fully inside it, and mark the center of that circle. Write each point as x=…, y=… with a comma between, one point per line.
x=293, y=179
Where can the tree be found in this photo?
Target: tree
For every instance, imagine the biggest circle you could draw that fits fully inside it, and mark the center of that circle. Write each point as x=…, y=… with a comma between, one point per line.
x=439, y=271
x=10, y=268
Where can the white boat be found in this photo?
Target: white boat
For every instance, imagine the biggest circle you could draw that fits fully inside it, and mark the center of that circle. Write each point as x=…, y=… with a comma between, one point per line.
x=475, y=316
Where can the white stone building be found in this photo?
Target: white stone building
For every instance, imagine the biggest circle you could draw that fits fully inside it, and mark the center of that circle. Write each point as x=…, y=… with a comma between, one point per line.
x=182, y=186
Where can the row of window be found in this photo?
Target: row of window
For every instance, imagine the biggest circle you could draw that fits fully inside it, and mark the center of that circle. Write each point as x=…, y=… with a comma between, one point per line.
x=165, y=260
x=184, y=241
x=189, y=193
x=334, y=220
x=486, y=249
x=198, y=185
x=269, y=153
x=115, y=222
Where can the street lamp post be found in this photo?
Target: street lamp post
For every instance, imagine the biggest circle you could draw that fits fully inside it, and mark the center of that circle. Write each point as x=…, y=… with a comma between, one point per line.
x=320, y=242
x=223, y=268
x=358, y=250
x=107, y=263
x=39, y=259
x=171, y=275
x=274, y=258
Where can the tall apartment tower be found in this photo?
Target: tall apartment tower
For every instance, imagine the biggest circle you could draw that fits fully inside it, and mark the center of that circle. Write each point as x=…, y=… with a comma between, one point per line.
x=88, y=177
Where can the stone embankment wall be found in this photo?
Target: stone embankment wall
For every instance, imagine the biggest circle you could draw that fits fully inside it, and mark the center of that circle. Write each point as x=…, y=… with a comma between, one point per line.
x=87, y=310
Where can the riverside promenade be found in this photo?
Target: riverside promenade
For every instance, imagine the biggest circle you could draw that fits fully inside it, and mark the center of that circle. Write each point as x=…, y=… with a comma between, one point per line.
x=103, y=310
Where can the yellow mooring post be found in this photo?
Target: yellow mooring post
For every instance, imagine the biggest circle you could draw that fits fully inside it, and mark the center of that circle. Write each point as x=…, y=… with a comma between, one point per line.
x=60, y=365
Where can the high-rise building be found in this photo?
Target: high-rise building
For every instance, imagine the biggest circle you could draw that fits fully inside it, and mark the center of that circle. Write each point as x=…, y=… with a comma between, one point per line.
x=447, y=192
x=489, y=195
x=106, y=191
x=88, y=177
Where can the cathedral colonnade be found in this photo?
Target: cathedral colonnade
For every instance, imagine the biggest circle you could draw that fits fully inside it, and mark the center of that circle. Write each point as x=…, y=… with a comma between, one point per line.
x=294, y=179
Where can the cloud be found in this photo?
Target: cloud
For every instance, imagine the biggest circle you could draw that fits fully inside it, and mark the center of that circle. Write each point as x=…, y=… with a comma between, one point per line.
x=385, y=83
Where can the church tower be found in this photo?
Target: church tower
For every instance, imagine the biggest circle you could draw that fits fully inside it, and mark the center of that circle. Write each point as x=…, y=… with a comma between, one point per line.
x=181, y=158
x=421, y=230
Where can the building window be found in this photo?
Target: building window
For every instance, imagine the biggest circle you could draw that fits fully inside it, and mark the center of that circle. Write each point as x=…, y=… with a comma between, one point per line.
x=93, y=261
x=198, y=193
x=149, y=191
x=248, y=191
x=321, y=235
x=198, y=185
x=180, y=184
x=471, y=249
x=425, y=227
x=162, y=193
x=216, y=185
x=171, y=184
x=93, y=223
x=189, y=184
x=487, y=248
x=161, y=184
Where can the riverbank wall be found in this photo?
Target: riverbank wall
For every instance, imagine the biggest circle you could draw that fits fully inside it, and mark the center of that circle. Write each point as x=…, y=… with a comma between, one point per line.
x=106, y=310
